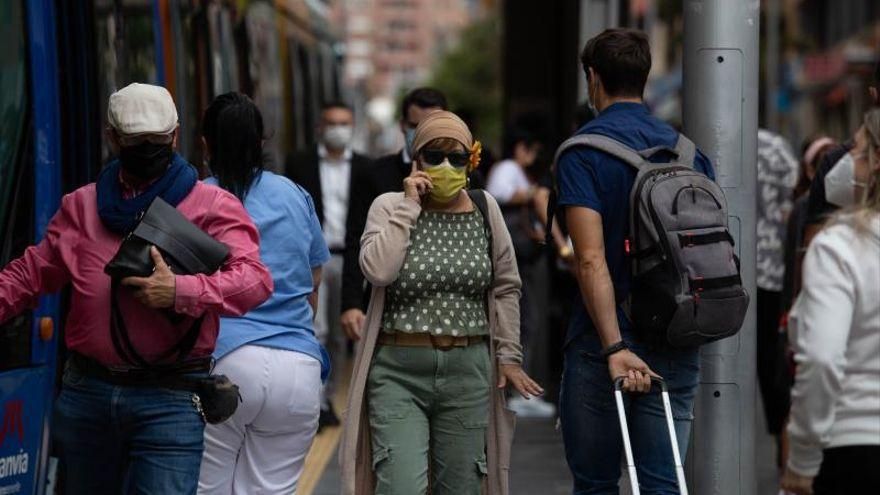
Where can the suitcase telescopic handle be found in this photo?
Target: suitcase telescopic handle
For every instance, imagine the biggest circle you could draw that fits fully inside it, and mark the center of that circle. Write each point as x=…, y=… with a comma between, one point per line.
x=656, y=380
x=670, y=424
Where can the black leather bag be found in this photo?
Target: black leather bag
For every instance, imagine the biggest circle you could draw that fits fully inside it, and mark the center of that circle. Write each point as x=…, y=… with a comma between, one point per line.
x=187, y=249
x=216, y=398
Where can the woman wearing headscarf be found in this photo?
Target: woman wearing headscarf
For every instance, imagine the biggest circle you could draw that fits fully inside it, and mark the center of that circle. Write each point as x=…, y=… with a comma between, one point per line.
x=834, y=430
x=442, y=332
x=271, y=352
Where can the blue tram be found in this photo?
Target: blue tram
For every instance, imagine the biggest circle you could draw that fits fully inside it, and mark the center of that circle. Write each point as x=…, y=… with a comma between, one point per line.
x=59, y=62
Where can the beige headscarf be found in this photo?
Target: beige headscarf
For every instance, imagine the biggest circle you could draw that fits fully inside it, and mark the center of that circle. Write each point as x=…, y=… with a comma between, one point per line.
x=441, y=124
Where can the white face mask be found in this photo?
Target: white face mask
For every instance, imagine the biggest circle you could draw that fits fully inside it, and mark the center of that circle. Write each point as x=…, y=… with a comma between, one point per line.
x=840, y=182
x=337, y=137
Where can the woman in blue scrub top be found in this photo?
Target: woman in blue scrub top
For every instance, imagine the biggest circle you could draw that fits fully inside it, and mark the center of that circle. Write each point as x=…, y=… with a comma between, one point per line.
x=271, y=353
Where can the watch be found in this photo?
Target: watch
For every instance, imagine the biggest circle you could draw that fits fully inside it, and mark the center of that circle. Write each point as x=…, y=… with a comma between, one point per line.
x=614, y=348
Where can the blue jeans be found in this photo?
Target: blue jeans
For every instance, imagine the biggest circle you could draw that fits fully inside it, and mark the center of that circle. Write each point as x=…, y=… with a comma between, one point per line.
x=590, y=427
x=114, y=439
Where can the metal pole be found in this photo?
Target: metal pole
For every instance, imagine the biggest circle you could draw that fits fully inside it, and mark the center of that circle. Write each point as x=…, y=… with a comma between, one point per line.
x=613, y=13
x=721, y=116
x=596, y=16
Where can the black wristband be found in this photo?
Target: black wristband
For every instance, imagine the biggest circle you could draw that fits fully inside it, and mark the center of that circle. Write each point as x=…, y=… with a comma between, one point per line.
x=613, y=348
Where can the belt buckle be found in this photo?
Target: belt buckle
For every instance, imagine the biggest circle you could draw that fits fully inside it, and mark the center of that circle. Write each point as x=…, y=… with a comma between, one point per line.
x=442, y=342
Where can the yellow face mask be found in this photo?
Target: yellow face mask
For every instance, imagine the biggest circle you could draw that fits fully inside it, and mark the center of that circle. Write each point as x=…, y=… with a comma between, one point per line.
x=448, y=181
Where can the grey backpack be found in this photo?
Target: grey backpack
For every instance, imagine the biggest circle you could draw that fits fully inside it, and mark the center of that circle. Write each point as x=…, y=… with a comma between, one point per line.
x=686, y=287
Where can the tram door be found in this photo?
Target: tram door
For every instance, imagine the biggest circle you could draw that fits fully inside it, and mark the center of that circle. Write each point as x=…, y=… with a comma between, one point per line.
x=27, y=341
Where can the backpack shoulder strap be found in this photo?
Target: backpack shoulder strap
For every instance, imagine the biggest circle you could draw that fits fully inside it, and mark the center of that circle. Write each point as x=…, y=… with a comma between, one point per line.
x=686, y=151
x=478, y=196
x=602, y=143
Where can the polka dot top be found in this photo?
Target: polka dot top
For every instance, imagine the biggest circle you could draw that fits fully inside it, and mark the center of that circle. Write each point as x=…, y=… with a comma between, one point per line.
x=442, y=284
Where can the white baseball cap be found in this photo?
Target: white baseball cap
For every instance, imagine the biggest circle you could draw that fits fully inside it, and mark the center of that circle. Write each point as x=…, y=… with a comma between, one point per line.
x=139, y=109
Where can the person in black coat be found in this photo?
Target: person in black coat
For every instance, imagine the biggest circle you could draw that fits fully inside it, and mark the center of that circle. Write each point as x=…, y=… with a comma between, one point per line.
x=385, y=174
x=329, y=171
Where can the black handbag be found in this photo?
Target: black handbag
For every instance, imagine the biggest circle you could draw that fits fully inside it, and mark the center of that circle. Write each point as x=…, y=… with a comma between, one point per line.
x=187, y=250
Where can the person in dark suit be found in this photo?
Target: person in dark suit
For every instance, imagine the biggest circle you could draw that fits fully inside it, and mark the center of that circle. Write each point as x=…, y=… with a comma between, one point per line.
x=327, y=171
x=385, y=174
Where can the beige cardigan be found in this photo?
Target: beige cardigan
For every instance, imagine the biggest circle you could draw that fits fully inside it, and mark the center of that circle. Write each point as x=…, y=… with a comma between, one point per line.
x=383, y=250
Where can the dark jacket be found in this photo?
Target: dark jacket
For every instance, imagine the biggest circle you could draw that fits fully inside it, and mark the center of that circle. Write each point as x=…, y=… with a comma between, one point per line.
x=383, y=175
x=303, y=167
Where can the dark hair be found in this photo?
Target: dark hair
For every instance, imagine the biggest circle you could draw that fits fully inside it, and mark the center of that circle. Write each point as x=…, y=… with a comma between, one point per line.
x=621, y=58
x=516, y=136
x=803, y=183
x=583, y=114
x=327, y=105
x=233, y=128
x=877, y=75
x=423, y=98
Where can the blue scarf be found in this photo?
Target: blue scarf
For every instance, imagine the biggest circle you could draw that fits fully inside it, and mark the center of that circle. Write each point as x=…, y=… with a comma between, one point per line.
x=120, y=215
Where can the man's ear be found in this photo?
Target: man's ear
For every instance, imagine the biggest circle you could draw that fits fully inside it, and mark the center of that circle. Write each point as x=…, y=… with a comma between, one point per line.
x=874, y=91
x=174, y=138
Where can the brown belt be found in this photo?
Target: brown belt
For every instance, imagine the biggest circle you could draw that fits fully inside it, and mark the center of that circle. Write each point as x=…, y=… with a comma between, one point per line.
x=442, y=342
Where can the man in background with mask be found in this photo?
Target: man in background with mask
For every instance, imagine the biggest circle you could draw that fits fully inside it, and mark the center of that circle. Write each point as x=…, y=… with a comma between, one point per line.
x=119, y=423
x=326, y=172
x=384, y=175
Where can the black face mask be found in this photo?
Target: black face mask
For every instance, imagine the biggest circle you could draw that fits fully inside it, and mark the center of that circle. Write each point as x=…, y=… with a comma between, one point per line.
x=146, y=161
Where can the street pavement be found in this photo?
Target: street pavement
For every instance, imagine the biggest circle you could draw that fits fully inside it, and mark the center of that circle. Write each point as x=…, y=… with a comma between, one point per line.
x=538, y=464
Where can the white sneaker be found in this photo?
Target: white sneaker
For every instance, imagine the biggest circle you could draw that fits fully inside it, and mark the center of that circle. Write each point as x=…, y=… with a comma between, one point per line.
x=531, y=408
x=541, y=408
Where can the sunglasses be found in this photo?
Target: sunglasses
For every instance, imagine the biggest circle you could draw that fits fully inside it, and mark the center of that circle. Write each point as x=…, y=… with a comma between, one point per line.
x=436, y=157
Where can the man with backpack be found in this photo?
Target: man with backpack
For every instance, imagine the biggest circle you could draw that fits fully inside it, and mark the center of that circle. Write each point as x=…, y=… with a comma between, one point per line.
x=650, y=281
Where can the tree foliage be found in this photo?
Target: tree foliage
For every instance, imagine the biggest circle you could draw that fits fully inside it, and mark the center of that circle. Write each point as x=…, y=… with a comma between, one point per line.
x=470, y=76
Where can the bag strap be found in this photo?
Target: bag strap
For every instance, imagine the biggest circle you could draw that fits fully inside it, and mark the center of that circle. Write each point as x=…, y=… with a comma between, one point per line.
x=478, y=196
x=125, y=349
x=603, y=143
x=599, y=142
x=686, y=151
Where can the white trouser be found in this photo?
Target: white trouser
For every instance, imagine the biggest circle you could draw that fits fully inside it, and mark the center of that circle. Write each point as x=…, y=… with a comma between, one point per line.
x=261, y=449
x=327, y=325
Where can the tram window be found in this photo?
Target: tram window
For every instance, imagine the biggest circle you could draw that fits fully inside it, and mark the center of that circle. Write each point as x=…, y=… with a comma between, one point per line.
x=125, y=41
x=308, y=91
x=12, y=97
x=264, y=70
x=298, y=82
x=222, y=45
x=16, y=229
x=182, y=30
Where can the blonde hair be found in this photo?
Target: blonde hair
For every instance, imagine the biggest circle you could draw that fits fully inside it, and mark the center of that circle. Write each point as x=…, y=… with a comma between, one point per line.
x=871, y=199
x=861, y=214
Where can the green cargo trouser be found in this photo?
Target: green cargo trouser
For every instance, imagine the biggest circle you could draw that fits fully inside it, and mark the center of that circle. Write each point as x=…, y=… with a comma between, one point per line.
x=429, y=403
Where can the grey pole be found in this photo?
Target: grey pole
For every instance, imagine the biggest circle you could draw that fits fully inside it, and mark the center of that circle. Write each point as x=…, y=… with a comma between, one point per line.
x=596, y=16
x=721, y=116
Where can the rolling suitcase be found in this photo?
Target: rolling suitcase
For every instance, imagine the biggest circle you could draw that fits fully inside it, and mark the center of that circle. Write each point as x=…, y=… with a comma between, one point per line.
x=627, y=447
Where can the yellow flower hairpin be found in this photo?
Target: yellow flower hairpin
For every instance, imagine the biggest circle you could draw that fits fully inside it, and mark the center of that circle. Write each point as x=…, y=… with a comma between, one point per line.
x=476, y=150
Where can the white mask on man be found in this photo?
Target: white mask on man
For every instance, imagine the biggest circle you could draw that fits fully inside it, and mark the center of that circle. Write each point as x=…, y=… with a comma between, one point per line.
x=338, y=137
x=840, y=182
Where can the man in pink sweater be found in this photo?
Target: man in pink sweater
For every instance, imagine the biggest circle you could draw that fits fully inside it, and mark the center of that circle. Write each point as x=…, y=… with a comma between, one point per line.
x=117, y=427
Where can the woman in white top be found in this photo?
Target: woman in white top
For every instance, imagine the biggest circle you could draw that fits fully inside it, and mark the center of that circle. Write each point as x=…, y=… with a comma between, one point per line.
x=834, y=428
